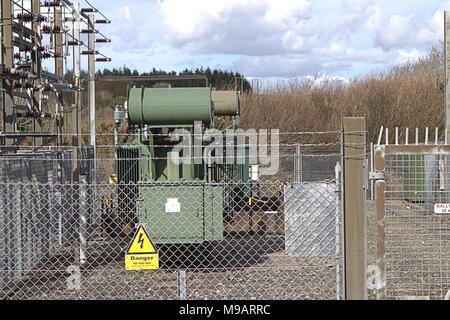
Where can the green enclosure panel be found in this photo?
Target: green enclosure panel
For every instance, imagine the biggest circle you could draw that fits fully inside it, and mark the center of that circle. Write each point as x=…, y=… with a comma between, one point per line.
x=213, y=213
x=165, y=107
x=414, y=178
x=181, y=214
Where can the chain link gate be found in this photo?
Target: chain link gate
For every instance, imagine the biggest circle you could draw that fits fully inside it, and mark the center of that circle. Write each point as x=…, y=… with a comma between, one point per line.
x=412, y=222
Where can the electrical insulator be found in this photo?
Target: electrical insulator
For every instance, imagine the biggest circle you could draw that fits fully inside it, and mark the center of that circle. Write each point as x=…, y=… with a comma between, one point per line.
x=16, y=55
x=102, y=21
x=87, y=31
x=27, y=17
x=46, y=29
x=88, y=10
x=18, y=115
x=17, y=85
x=102, y=40
x=47, y=115
x=24, y=66
x=103, y=59
x=73, y=43
x=46, y=55
x=89, y=52
x=55, y=3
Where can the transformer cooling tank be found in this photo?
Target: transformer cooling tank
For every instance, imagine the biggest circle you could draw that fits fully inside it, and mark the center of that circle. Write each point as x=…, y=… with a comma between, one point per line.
x=226, y=103
x=169, y=107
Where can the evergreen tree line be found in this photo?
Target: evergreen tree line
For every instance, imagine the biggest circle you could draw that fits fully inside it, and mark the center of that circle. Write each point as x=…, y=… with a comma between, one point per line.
x=219, y=79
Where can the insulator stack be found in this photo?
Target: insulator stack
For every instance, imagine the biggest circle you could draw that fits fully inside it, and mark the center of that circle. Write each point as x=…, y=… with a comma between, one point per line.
x=89, y=52
x=6, y=71
x=24, y=66
x=48, y=29
x=84, y=10
x=27, y=17
x=55, y=3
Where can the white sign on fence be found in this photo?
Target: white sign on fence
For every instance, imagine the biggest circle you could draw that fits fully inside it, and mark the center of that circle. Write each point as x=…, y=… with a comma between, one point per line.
x=442, y=208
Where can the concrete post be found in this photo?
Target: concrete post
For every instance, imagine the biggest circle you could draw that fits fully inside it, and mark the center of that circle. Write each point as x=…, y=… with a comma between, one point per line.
x=354, y=218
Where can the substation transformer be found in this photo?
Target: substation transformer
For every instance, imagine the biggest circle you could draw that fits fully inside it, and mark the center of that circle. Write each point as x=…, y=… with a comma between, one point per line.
x=180, y=201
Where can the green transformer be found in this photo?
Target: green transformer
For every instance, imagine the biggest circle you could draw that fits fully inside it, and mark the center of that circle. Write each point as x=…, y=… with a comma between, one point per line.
x=180, y=198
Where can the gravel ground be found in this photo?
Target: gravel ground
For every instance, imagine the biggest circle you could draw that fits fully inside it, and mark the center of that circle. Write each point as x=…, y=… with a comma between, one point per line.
x=255, y=268
x=417, y=251
x=249, y=267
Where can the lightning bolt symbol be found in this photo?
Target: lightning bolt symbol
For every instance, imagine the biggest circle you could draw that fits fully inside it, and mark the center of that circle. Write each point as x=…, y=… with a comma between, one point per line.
x=141, y=241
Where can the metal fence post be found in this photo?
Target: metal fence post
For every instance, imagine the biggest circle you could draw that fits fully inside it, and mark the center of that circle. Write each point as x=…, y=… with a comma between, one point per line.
x=354, y=219
x=380, y=228
x=181, y=284
x=298, y=175
x=338, y=170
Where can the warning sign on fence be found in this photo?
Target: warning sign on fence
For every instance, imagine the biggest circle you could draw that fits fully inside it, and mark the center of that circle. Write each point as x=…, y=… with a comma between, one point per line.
x=141, y=254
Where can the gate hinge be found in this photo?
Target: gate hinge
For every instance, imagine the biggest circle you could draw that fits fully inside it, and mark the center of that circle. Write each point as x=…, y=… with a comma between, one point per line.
x=376, y=175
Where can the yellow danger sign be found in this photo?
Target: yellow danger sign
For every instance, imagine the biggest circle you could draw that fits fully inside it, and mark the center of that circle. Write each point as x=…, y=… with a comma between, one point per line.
x=141, y=254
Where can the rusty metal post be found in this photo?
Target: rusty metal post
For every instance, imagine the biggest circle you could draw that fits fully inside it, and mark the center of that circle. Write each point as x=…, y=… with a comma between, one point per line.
x=354, y=218
x=380, y=220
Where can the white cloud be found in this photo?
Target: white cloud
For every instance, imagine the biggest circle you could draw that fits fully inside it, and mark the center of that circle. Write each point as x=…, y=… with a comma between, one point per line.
x=273, y=38
x=128, y=33
x=374, y=20
x=247, y=27
x=402, y=31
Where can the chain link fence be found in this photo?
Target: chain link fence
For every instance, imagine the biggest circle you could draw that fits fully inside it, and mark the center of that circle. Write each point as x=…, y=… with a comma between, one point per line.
x=417, y=240
x=265, y=239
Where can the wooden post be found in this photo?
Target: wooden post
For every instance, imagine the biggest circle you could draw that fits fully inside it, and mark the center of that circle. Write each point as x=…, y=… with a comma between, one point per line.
x=354, y=218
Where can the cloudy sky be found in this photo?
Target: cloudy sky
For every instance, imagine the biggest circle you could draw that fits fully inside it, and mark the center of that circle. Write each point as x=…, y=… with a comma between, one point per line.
x=270, y=39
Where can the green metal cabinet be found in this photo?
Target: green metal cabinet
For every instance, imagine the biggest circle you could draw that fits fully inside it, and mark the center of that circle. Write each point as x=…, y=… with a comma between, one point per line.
x=413, y=178
x=181, y=213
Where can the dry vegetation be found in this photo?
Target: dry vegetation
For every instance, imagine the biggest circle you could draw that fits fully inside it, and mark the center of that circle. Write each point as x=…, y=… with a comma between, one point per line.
x=410, y=95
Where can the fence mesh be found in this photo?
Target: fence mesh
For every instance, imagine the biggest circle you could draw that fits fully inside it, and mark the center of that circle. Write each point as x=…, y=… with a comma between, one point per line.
x=417, y=236
x=267, y=239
